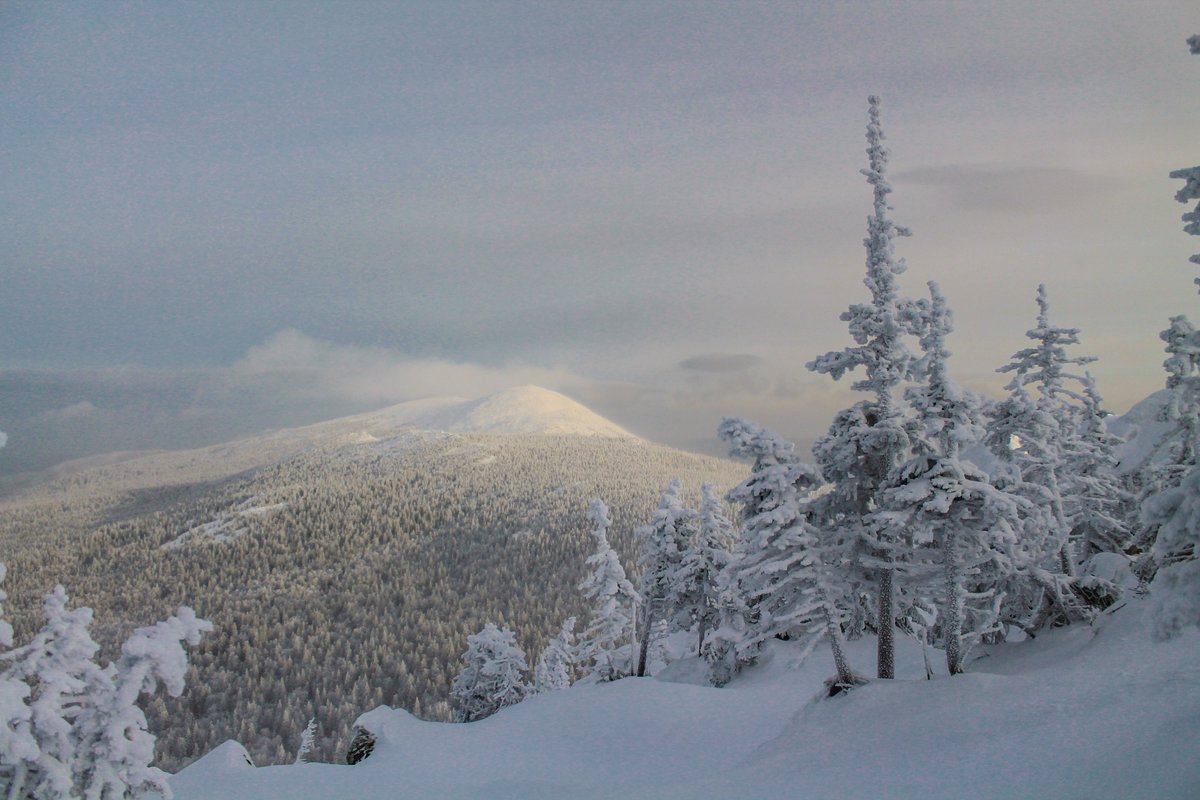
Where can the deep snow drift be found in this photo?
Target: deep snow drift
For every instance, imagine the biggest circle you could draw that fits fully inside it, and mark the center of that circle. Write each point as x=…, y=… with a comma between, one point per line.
x=1093, y=712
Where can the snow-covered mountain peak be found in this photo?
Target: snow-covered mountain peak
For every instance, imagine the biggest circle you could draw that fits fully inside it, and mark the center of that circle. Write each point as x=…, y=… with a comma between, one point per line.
x=519, y=410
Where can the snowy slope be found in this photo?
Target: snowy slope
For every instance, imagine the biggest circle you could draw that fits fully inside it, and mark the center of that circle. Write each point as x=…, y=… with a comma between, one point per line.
x=521, y=410
x=1147, y=436
x=1089, y=712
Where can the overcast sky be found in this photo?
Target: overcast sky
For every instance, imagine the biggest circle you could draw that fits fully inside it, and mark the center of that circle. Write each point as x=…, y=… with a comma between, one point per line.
x=222, y=217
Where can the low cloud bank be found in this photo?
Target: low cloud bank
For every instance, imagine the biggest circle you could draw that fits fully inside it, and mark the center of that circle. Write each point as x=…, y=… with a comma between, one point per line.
x=294, y=379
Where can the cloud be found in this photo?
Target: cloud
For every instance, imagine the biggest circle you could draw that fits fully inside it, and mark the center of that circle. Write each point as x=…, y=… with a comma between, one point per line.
x=290, y=379
x=362, y=374
x=83, y=408
x=721, y=362
x=1010, y=188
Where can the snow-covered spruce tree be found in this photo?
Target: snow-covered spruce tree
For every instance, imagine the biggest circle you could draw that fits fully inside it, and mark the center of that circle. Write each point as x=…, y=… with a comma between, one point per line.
x=698, y=581
x=17, y=744
x=92, y=740
x=1176, y=515
x=556, y=666
x=661, y=545
x=1098, y=504
x=493, y=676
x=1033, y=435
x=1183, y=384
x=610, y=630
x=112, y=731
x=784, y=578
x=58, y=663
x=1172, y=515
x=307, y=739
x=962, y=529
x=1191, y=178
x=865, y=443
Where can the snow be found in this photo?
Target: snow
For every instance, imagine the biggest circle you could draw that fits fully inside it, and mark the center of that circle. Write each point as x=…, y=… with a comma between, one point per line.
x=227, y=757
x=226, y=528
x=1145, y=433
x=515, y=411
x=520, y=410
x=1096, y=711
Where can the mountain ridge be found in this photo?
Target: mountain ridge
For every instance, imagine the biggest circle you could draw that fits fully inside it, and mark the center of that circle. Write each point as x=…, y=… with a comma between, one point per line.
x=359, y=554
x=515, y=411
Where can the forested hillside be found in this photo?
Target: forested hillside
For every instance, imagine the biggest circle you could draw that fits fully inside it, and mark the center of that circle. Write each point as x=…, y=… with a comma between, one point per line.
x=341, y=578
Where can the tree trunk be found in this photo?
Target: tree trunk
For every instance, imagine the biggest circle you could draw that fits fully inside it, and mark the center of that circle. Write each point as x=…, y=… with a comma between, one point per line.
x=644, y=643
x=887, y=626
x=952, y=612
x=837, y=644
x=1066, y=554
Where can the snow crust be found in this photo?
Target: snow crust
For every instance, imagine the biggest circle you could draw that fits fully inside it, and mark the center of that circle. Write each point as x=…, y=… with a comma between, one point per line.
x=1095, y=711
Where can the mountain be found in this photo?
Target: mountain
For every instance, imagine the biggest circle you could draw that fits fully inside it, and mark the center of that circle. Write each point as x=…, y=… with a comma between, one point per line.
x=522, y=410
x=130, y=484
x=343, y=564
x=1149, y=438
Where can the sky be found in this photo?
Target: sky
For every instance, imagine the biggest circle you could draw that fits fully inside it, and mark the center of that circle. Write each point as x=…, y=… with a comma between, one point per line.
x=219, y=218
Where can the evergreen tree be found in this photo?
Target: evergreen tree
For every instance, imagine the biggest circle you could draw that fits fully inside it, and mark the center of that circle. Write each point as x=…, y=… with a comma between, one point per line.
x=17, y=744
x=555, y=666
x=1097, y=500
x=1176, y=515
x=115, y=747
x=698, y=580
x=58, y=662
x=962, y=529
x=307, y=738
x=1033, y=435
x=868, y=441
x=1172, y=515
x=784, y=576
x=614, y=603
x=91, y=737
x=493, y=676
x=661, y=545
x=1183, y=384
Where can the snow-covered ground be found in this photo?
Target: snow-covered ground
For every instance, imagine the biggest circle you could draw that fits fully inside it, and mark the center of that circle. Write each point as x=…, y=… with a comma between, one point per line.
x=1086, y=712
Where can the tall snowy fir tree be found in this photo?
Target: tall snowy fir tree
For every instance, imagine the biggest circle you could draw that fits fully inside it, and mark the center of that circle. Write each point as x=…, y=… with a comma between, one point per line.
x=865, y=443
x=661, y=545
x=610, y=630
x=493, y=676
x=1172, y=515
x=784, y=578
x=1033, y=434
x=963, y=530
x=697, y=583
x=1183, y=386
x=1097, y=505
